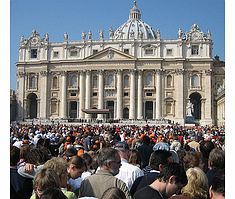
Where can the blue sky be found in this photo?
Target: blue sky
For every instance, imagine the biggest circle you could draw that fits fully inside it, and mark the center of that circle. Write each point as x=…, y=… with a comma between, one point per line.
x=75, y=16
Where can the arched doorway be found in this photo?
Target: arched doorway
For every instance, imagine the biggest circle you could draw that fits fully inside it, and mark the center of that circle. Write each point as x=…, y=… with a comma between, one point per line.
x=148, y=110
x=32, y=105
x=125, y=113
x=195, y=99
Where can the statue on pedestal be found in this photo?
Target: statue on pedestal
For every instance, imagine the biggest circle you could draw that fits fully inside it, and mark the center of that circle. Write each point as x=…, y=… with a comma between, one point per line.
x=189, y=109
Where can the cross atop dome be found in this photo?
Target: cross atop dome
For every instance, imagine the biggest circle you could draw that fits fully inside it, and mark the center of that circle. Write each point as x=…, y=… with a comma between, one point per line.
x=135, y=12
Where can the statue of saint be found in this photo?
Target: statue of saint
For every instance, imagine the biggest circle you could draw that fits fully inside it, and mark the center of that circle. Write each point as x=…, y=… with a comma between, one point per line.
x=65, y=36
x=189, y=109
x=180, y=34
x=101, y=33
x=83, y=35
x=111, y=33
x=89, y=35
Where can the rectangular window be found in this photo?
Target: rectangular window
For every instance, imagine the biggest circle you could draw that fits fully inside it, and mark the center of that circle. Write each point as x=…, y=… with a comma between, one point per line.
x=95, y=51
x=168, y=51
x=55, y=54
x=195, y=50
x=125, y=94
x=148, y=51
x=149, y=94
x=73, y=53
x=126, y=51
x=94, y=94
x=33, y=53
x=73, y=94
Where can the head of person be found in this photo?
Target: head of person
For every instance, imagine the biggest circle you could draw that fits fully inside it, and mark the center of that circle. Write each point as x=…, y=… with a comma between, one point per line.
x=37, y=156
x=123, y=149
x=53, y=193
x=76, y=167
x=190, y=160
x=45, y=179
x=197, y=186
x=109, y=160
x=88, y=160
x=217, y=188
x=216, y=159
x=70, y=152
x=24, y=150
x=205, y=147
x=134, y=157
x=113, y=193
x=159, y=158
x=14, y=156
x=173, y=177
x=59, y=165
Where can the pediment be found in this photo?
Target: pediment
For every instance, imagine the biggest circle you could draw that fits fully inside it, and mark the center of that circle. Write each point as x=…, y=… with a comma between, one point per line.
x=110, y=54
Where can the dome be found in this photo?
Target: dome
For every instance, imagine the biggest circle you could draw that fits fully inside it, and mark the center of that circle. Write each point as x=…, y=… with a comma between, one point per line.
x=134, y=28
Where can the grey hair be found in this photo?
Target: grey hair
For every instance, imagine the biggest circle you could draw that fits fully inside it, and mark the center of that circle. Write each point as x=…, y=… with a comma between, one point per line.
x=105, y=155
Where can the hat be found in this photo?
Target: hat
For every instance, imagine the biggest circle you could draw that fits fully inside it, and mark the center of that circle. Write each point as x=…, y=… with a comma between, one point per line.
x=121, y=146
x=161, y=146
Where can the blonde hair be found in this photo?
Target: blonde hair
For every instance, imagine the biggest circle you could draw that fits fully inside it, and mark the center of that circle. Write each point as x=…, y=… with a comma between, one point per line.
x=197, y=186
x=59, y=165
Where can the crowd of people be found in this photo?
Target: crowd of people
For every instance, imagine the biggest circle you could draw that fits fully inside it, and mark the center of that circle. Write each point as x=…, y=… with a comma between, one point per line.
x=116, y=161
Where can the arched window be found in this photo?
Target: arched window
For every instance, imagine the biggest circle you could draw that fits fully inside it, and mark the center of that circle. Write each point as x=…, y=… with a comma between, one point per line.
x=32, y=82
x=73, y=81
x=149, y=79
x=109, y=80
x=55, y=82
x=169, y=81
x=126, y=81
x=195, y=81
x=94, y=81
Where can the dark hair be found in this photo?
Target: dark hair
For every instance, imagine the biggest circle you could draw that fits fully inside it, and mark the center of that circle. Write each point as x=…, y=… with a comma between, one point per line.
x=37, y=156
x=88, y=159
x=24, y=150
x=113, y=193
x=217, y=158
x=134, y=157
x=77, y=161
x=174, y=169
x=52, y=193
x=206, y=147
x=159, y=157
x=14, y=155
x=146, y=140
x=218, y=182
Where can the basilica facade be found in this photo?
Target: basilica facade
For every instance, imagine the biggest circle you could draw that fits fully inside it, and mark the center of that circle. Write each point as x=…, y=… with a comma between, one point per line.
x=135, y=74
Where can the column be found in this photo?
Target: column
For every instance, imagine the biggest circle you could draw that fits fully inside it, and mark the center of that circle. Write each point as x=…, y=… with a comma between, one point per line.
x=208, y=102
x=101, y=93
x=203, y=108
x=82, y=94
x=158, y=85
x=88, y=93
x=140, y=95
x=119, y=95
x=132, y=95
x=180, y=108
x=63, y=101
x=43, y=95
x=21, y=92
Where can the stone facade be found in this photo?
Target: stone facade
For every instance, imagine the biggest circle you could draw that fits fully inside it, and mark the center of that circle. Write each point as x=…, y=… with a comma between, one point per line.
x=135, y=73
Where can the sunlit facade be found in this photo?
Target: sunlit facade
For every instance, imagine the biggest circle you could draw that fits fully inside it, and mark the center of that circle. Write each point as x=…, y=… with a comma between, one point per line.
x=135, y=74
